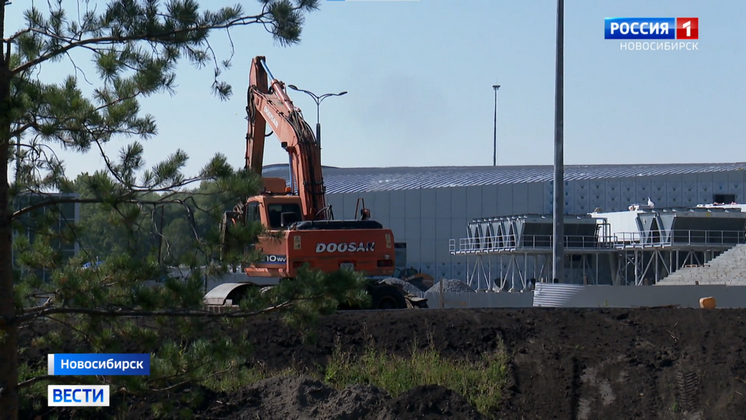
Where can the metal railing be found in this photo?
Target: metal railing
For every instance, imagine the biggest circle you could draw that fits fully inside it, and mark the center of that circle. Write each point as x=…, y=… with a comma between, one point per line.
x=680, y=237
x=515, y=242
x=621, y=240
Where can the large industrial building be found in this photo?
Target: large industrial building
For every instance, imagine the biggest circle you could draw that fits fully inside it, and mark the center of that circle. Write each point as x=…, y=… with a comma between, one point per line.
x=429, y=207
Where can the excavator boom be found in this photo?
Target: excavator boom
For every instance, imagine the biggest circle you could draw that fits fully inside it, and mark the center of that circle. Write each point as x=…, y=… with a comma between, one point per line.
x=269, y=104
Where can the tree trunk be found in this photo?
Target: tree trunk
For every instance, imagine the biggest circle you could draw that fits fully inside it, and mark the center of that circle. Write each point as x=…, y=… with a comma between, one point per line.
x=8, y=329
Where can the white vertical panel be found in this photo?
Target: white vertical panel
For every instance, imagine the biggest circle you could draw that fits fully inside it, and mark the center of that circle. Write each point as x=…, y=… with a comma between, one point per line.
x=674, y=191
x=628, y=193
x=520, y=198
x=427, y=252
x=643, y=187
x=535, y=197
x=489, y=200
x=397, y=204
x=444, y=270
x=658, y=189
x=597, y=195
x=613, y=196
x=582, y=197
x=689, y=190
x=441, y=251
x=443, y=229
x=736, y=182
x=458, y=229
x=720, y=183
x=337, y=201
x=504, y=200
x=413, y=253
x=427, y=202
x=458, y=269
x=399, y=227
x=548, y=197
x=412, y=204
x=381, y=206
x=427, y=229
x=570, y=197
x=458, y=202
x=413, y=231
x=473, y=202
x=443, y=203
x=704, y=188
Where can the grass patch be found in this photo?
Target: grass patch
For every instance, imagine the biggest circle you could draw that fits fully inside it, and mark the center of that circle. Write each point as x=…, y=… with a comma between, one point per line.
x=480, y=382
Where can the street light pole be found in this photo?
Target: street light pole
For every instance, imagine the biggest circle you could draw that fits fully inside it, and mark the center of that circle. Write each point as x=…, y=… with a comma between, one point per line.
x=494, y=149
x=558, y=234
x=318, y=100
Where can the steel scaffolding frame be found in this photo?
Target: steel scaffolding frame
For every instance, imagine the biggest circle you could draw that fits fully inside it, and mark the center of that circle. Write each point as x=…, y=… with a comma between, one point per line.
x=639, y=259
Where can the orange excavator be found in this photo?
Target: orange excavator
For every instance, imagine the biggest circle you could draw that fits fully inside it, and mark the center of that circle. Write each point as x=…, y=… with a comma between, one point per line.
x=300, y=226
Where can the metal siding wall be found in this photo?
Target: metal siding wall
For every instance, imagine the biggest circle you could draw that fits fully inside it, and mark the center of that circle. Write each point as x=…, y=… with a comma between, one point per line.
x=399, y=226
x=489, y=200
x=428, y=202
x=443, y=203
x=643, y=187
x=658, y=188
x=535, y=197
x=582, y=197
x=520, y=198
x=473, y=202
x=381, y=207
x=704, y=188
x=613, y=195
x=397, y=204
x=337, y=201
x=458, y=203
x=504, y=200
x=675, y=191
x=569, y=197
x=458, y=228
x=412, y=204
x=736, y=182
x=720, y=183
x=548, y=194
x=689, y=190
x=426, y=218
x=628, y=193
x=443, y=230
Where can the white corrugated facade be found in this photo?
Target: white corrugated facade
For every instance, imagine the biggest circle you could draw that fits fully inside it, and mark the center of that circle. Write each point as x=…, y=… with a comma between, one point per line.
x=425, y=207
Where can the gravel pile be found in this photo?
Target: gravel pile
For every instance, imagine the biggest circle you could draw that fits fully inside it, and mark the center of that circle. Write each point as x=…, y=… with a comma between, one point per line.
x=408, y=287
x=451, y=286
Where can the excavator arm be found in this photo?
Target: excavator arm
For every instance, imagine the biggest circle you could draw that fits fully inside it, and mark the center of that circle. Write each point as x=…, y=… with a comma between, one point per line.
x=269, y=104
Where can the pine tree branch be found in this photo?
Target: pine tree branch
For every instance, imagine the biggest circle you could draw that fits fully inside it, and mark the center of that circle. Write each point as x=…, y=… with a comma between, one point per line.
x=137, y=313
x=109, y=40
x=168, y=388
x=60, y=379
x=69, y=200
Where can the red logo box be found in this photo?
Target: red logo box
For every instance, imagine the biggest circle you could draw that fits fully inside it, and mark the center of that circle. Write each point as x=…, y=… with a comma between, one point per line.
x=687, y=28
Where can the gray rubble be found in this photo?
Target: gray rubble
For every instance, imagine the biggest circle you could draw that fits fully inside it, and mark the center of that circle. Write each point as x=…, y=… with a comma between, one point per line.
x=451, y=286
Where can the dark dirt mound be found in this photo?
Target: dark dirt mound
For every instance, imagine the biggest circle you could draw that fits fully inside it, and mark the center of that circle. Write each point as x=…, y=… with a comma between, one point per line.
x=664, y=363
x=432, y=402
x=301, y=398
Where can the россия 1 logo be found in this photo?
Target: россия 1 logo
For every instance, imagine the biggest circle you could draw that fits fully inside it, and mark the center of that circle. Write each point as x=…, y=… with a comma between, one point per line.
x=684, y=29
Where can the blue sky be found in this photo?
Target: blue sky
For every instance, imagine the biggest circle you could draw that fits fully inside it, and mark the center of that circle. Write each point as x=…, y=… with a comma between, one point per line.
x=420, y=74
